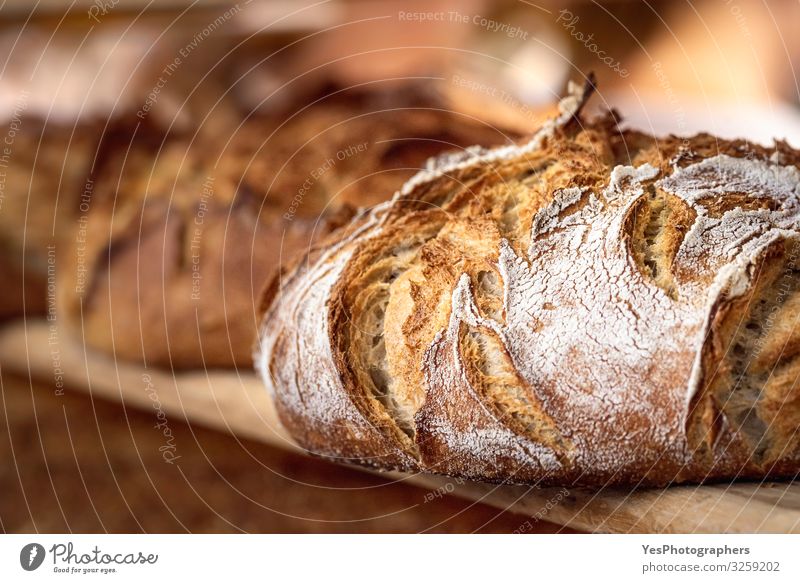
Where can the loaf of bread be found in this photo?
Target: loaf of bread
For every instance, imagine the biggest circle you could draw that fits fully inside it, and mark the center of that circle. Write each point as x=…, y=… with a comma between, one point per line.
x=185, y=229
x=594, y=307
x=42, y=174
x=59, y=94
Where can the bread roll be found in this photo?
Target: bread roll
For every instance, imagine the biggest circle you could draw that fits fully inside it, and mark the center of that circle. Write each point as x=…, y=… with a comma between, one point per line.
x=594, y=307
x=186, y=229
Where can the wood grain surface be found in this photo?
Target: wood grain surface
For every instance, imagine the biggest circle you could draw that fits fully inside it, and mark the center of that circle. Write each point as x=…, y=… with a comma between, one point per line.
x=73, y=464
x=237, y=403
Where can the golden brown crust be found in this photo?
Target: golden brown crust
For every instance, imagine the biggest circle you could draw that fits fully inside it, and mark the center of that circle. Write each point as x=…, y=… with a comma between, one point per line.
x=565, y=311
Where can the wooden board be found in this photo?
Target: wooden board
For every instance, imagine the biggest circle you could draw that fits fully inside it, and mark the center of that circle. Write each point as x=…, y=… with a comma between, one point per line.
x=237, y=403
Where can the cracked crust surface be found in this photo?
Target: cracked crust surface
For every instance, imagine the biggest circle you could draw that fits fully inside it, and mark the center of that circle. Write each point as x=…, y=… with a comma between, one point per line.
x=595, y=307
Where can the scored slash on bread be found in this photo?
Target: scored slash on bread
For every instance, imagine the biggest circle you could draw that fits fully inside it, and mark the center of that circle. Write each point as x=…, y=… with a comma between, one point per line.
x=595, y=307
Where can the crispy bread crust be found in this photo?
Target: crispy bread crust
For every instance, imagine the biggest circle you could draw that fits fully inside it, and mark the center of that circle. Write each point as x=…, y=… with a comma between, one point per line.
x=592, y=307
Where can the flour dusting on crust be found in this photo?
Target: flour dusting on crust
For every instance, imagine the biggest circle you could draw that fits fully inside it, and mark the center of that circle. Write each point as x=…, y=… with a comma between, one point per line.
x=569, y=107
x=600, y=350
x=484, y=445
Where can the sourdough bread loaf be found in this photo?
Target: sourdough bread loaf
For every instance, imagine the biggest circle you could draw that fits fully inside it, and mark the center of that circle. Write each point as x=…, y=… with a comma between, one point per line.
x=594, y=307
x=185, y=228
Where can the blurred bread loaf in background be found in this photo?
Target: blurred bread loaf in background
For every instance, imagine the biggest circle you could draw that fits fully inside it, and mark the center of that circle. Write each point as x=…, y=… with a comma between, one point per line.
x=185, y=229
